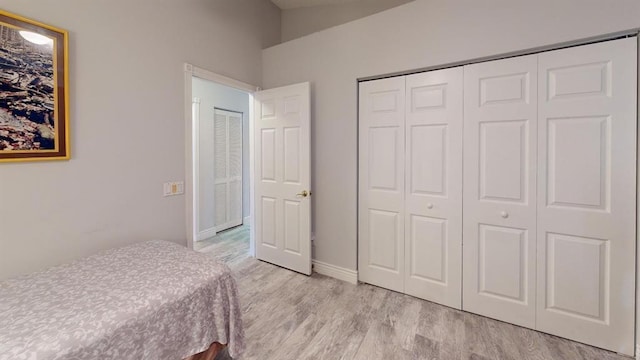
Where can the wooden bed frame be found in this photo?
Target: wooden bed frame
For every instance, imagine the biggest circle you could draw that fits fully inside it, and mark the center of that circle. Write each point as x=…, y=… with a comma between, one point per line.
x=208, y=354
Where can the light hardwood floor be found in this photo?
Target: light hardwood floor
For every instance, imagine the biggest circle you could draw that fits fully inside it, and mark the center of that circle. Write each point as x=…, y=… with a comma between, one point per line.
x=291, y=316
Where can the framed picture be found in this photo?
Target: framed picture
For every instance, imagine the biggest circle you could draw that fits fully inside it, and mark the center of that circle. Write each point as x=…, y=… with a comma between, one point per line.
x=34, y=92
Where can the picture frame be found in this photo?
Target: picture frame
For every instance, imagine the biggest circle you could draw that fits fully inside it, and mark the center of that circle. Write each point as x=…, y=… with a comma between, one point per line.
x=34, y=90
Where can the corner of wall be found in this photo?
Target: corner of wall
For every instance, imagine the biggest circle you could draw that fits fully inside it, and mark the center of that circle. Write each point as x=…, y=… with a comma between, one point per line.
x=336, y=272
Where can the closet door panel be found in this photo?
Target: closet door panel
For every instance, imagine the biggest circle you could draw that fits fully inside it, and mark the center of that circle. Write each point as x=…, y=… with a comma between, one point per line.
x=433, y=194
x=381, y=183
x=500, y=102
x=235, y=169
x=221, y=196
x=228, y=169
x=586, y=193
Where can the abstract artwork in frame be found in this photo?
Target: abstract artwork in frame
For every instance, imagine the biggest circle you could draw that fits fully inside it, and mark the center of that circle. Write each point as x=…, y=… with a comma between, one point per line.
x=34, y=92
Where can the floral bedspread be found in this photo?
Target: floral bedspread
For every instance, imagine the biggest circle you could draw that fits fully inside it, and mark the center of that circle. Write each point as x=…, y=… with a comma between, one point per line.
x=152, y=300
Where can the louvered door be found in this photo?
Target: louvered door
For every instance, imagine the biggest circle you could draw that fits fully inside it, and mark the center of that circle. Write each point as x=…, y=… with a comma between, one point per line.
x=227, y=169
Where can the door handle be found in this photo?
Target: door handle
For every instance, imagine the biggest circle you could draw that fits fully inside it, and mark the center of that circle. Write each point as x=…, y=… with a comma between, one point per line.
x=304, y=193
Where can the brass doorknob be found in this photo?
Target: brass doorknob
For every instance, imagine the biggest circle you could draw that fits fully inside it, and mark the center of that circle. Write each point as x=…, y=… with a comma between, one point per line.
x=304, y=193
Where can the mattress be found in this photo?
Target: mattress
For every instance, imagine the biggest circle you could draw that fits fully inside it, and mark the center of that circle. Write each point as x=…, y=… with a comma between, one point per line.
x=152, y=300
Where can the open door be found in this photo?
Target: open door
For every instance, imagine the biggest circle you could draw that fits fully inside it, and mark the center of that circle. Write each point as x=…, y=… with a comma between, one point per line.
x=282, y=195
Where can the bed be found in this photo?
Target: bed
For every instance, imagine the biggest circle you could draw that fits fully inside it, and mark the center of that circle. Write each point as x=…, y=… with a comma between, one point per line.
x=152, y=300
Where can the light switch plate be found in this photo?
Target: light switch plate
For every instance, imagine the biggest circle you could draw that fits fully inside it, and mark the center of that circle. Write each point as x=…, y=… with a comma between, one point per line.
x=173, y=188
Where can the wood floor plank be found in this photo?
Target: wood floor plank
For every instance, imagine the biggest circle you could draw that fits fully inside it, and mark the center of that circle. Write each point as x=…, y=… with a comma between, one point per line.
x=299, y=339
x=380, y=343
x=425, y=348
x=405, y=321
x=339, y=338
x=479, y=338
x=523, y=344
x=430, y=321
x=289, y=316
x=454, y=334
x=561, y=349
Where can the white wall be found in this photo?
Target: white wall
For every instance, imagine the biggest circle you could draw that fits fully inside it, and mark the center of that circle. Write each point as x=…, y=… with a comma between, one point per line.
x=299, y=22
x=127, y=122
x=416, y=35
x=215, y=95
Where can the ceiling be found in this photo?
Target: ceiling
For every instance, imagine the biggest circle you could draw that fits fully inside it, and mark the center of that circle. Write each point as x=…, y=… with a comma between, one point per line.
x=294, y=4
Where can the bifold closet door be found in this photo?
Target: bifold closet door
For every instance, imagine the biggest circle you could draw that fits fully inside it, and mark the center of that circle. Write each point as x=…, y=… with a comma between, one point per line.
x=228, y=169
x=433, y=194
x=500, y=100
x=587, y=193
x=381, y=183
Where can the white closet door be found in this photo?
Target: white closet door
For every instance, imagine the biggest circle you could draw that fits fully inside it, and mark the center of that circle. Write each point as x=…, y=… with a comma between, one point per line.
x=235, y=169
x=433, y=193
x=587, y=194
x=381, y=183
x=228, y=169
x=221, y=188
x=499, y=189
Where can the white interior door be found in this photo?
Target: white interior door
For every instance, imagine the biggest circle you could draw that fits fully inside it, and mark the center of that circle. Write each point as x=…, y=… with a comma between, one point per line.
x=227, y=169
x=381, y=183
x=433, y=193
x=283, y=177
x=500, y=103
x=587, y=193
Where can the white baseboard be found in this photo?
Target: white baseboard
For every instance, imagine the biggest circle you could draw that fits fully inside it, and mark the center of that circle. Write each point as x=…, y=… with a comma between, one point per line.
x=337, y=272
x=205, y=234
x=246, y=220
x=637, y=351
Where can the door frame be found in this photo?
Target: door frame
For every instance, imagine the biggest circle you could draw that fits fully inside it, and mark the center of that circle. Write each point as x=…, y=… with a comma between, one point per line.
x=637, y=293
x=192, y=151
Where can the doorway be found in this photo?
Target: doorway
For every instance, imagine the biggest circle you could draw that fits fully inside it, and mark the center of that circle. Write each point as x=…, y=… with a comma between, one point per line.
x=221, y=121
x=281, y=140
x=218, y=113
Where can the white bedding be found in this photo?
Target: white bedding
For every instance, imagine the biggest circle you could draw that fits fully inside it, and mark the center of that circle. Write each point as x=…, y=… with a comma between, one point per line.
x=152, y=300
